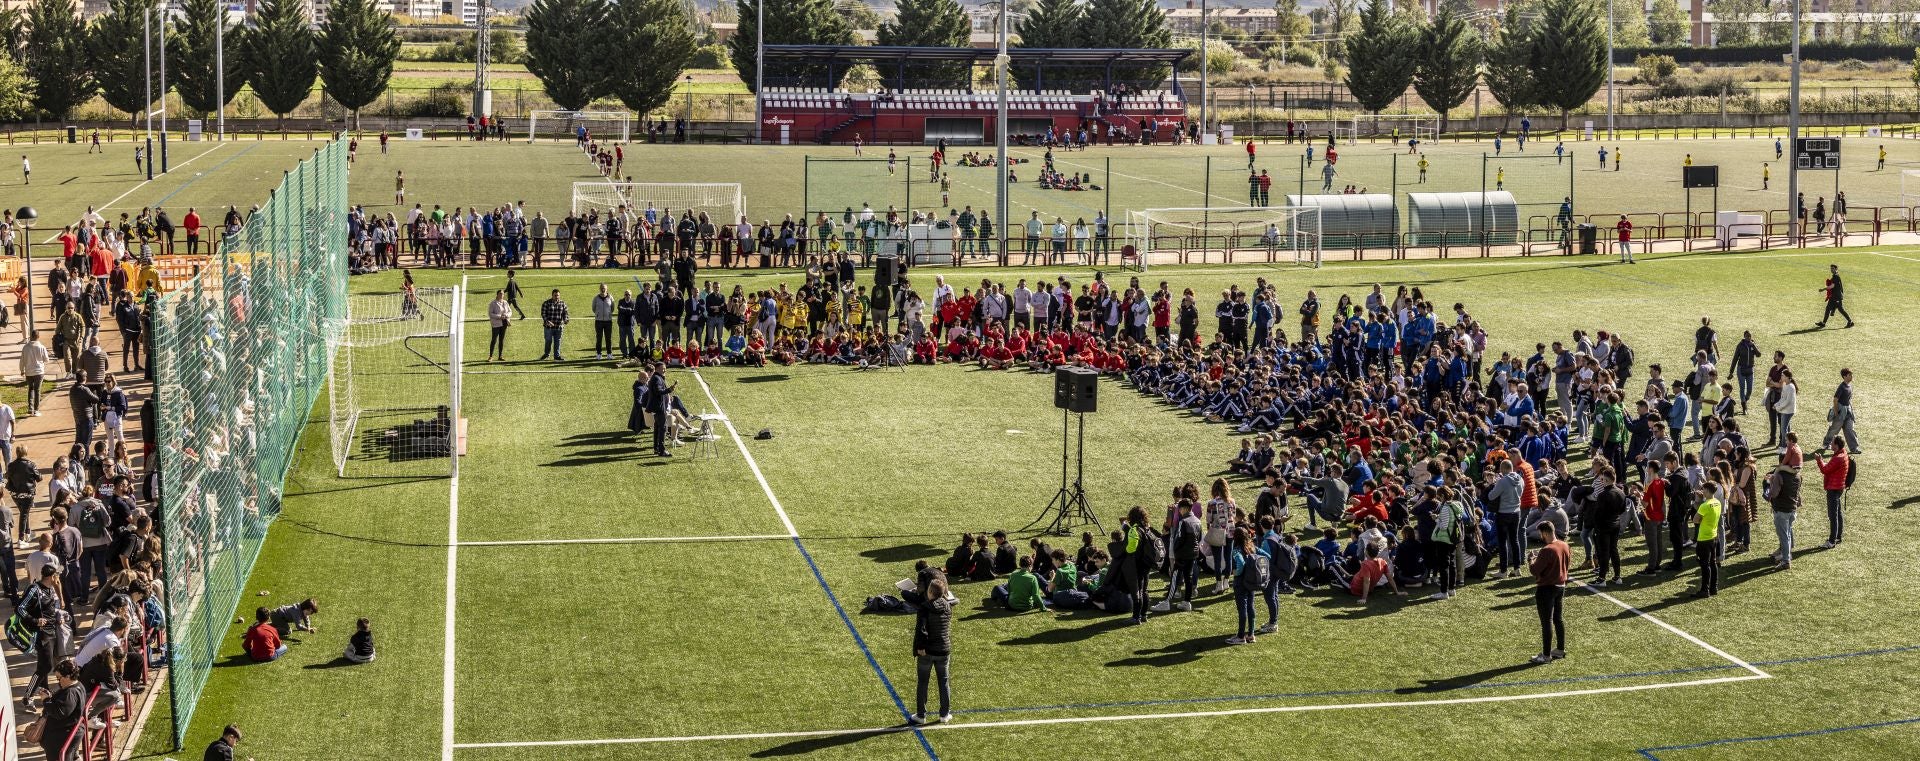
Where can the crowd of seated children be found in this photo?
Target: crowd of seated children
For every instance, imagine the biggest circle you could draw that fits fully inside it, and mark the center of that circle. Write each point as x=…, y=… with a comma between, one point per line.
x=1054, y=180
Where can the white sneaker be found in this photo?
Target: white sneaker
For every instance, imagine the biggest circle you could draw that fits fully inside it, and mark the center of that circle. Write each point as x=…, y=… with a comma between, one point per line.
x=1182, y=606
x=917, y=719
x=1161, y=607
x=946, y=717
x=1236, y=640
x=1437, y=596
x=1268, y=629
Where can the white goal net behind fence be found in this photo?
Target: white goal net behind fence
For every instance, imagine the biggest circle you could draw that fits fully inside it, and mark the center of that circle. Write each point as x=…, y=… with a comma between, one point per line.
x=1280, y=233
x=564, y=125
x=722, y=202
x=393, y=399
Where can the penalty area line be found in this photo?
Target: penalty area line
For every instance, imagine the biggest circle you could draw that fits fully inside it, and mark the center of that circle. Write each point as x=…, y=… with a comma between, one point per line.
x=631, y=540
x=1114, y=718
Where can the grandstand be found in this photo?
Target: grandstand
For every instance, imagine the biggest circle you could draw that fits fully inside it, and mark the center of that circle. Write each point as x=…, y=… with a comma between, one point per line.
x=1061, y=90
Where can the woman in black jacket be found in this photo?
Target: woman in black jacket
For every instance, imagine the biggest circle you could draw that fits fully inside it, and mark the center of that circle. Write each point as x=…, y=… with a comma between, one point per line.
x=62, y=714
x=932, y=646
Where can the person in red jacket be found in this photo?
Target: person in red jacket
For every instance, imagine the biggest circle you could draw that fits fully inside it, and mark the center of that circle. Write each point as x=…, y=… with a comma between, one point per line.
x=1835, y=472
x=262, y=641
x=192, y=224
x=1549, y=566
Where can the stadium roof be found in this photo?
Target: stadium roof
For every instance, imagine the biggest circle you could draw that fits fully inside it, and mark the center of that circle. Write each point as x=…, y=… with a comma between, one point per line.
x=896, y=53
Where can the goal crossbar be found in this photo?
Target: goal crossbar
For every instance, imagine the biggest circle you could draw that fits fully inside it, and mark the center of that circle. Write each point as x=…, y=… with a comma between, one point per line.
x=568, y=120
x=722, y=202
x=1278, y=231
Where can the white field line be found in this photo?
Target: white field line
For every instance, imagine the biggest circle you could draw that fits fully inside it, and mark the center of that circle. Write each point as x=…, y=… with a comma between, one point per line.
x=792, y=533
x=143, y=183
x=1058, y=161
x=630, y=540
x=1119, y=717
x=1702, y=644
x=1893, y=256
x=453, y=557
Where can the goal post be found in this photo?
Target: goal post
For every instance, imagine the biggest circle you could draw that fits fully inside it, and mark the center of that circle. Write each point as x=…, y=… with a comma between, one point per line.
x=1282, y=233
x=393, y=399
x=723, y=202
x=561, y=125
x=1910, y=188
x=1397, y=126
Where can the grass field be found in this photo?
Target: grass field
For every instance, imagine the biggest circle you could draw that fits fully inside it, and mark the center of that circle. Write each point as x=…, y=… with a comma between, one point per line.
x=743, y=636
x=782, y=180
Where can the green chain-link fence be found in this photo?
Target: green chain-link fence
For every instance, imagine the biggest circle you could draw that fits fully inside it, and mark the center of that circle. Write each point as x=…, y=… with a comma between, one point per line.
x=240, y=354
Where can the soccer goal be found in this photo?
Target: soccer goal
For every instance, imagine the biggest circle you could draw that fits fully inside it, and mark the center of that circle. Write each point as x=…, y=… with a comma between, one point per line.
x=394, y=396
x=722, y=201
x=562, y=125
x=1398, y=127
x=1910, y=187
x=1178, y=234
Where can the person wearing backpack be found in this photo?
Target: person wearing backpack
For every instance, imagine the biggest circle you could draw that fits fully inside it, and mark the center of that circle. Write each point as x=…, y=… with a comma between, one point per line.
x=1284, y=564
x=1184, y=541
x=932, y=647
x=1836, y=474
x=1143, y=553
x=1782, y=491
x=92, y=518
x=1252, y=570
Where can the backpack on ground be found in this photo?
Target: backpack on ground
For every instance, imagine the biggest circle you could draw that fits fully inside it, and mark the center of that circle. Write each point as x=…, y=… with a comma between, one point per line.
x=886, y=604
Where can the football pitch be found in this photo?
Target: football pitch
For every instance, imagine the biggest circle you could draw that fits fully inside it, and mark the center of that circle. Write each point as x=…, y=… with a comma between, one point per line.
x=782, y=180
x=569, y=595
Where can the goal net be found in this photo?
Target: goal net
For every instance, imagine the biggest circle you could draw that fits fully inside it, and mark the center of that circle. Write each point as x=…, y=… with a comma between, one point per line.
x=565, y=125
x=1397, y=128
x=1281, y=233
x=1910, y=188
x=394, y=399
x=722, y=201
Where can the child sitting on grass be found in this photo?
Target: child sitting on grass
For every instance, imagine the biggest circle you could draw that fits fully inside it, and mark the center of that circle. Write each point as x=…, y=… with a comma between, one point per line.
x=360, y=645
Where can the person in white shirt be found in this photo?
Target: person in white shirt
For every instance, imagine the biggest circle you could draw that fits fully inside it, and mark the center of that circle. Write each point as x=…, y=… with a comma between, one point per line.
x=1022, y=305
x=499, y=316
x=33, y=368
x=6, y=432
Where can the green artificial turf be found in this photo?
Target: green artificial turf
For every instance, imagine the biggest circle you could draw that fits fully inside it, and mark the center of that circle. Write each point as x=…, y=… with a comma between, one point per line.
x=605, y=641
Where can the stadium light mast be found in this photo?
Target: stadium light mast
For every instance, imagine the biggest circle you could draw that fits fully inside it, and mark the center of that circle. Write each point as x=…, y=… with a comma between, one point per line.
x=146, y=54
x=1610, y=69
x=162, y=45
x=1000, y=131
x=1203, y=68
x=482, y=97
x=1793, y=132
x=759, y=65
x=220, y=71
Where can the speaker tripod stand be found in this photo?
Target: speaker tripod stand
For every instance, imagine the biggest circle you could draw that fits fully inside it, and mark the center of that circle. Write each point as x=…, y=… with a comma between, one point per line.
x=1068, y=509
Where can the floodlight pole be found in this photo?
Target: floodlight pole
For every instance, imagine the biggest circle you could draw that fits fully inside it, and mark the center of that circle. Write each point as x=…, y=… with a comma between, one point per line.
x=220, y=73
x=1610, y=69
x=1203, y=69
x=162, y=45
x=1793, y=133
x=146, y=55
x=1000, y=135
x=760, y=66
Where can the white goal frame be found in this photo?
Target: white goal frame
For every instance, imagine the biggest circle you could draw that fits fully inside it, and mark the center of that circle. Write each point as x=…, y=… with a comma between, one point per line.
x=724, y=202
x=1423, y=126
x=623, y=118
x=1910, y=188
x=383, y=323
x=1274, y=230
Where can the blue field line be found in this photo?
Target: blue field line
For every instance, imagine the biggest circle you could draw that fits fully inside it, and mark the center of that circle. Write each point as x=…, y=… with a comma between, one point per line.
x=864, y=650
x=1653, y=754
x=1403, y=690
x=216, y=168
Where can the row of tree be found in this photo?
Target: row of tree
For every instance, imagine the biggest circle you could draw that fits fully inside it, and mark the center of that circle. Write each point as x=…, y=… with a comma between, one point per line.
x=67, y=62
x=1553, y=57
x=631, y=50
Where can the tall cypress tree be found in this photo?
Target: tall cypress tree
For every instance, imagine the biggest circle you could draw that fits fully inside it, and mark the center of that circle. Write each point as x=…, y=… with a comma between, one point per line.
x=56, y=58
x=1509, y=73
x=356, y=50
x=280, y=56
x=651, y=42
x=1050, y=24
x=116, y=52
x=1448, y=68
x=565, y=44
x=1129, y=24
x=190, y=56
x=790, y=22
x=1569, y=55
x=930, y=24
x=1380, y=57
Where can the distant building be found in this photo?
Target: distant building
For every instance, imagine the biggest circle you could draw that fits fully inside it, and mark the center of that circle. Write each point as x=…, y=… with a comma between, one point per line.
x=1249, y=20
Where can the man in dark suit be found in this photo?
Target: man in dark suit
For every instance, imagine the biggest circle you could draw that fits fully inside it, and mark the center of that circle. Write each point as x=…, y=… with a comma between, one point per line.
x=658, y=393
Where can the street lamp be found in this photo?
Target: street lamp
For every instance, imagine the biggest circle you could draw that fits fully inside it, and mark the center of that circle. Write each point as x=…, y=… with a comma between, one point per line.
x=26, y=216
x=689, y=100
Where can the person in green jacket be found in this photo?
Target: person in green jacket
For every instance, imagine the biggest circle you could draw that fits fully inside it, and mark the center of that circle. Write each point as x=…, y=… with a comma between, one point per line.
x=1610, y=432
x=1022, y=590
x=1706, y=517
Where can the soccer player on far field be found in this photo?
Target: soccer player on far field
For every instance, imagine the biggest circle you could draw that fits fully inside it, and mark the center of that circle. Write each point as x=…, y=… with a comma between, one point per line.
x=1549, y=565
x=1836, y=296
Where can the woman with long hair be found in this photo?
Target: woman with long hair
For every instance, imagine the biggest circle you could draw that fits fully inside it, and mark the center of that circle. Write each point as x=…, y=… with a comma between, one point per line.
x=1220, y=524
x=1246, y=584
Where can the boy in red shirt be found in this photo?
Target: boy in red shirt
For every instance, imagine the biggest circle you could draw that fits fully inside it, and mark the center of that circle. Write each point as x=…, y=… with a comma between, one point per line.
x=1373, y=574
x=262, y=641
x=192, y=223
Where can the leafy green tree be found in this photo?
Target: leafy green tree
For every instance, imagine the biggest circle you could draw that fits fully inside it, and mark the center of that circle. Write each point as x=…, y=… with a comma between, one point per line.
x=1630, y=26
x=191, y=63
x=280, y=56
x=1129, y=24
x=357, y=48
x=1668, y=25
x=13, y=32
x=1336, y=17
x=790, y=22
x=930, y=24
x=1050, y=24
x=56, y=58
x=566, y=50
x=1509, y=69
x=1448, y=68
x=1380, y=57
x=14, y=87
x=1570, y=55
x=116, y=53
x=1289, y=23
x=659, y=27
